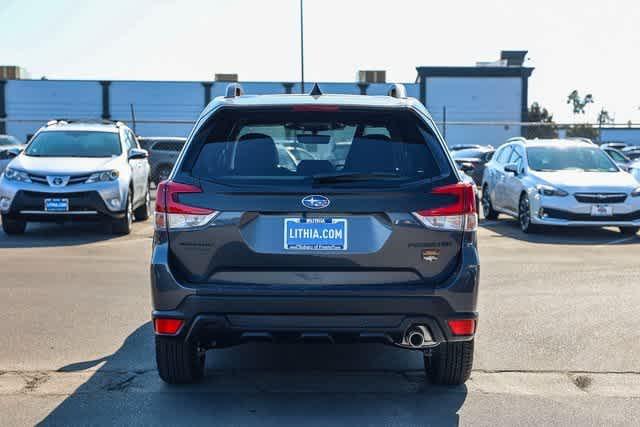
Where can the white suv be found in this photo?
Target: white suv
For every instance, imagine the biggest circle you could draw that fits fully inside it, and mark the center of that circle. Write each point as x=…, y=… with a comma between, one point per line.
x=75, y=171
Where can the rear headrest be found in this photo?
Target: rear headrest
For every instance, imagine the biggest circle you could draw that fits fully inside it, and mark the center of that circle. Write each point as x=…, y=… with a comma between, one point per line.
x=256, y=154
x=371, y=153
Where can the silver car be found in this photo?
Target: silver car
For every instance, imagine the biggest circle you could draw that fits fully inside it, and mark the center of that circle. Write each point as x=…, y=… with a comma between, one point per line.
x=560, y=183
x=74, y=171
x=9, y=146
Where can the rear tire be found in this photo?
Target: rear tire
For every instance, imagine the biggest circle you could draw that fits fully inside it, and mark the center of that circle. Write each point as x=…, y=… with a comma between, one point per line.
x=487, y=207
x=143, y=212
x=629, y=231
x=122, y=225
x=179, y=362
x=450, y=363
x=13, y=226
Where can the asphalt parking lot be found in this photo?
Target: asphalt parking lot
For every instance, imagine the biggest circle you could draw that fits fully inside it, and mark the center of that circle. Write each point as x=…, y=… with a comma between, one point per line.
x=558, y=343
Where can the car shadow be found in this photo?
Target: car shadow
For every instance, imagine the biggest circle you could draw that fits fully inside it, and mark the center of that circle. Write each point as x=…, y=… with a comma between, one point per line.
x=52, y=234
x=261, y=384
x=509, y=227
x=40, y=235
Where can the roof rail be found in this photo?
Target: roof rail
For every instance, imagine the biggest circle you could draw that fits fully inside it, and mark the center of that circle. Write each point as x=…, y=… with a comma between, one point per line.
x=397, y=90
x=57, y=122
x=234, y=90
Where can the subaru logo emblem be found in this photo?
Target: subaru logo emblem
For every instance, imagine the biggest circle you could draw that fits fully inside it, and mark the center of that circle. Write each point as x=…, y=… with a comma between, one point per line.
x=315, y=202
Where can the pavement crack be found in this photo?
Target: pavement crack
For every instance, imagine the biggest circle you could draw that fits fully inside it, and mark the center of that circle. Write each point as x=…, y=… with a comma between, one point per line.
x=122, y=385
x=33, y=380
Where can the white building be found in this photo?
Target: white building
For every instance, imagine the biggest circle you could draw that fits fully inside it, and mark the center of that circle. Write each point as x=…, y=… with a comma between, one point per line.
x=461, y=99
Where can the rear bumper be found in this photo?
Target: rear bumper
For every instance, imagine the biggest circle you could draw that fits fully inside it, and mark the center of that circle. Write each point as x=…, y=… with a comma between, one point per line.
x=334, y=313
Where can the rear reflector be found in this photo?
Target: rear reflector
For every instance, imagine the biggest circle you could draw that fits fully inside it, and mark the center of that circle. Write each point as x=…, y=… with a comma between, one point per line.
x=167, y=326
x=460, y=214
x=171, y=214
x=462, y=326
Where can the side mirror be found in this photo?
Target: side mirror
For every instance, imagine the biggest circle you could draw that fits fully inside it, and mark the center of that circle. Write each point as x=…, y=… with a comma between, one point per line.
x=511, y=167
x=138, y=154
x=13, y=152
x=466, y=167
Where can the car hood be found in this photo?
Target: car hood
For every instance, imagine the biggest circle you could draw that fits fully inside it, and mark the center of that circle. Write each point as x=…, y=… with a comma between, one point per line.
x=576, y=181
x=63, y=165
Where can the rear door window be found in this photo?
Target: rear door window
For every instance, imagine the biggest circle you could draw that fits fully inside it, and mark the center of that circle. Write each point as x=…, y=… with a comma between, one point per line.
x=250, y=146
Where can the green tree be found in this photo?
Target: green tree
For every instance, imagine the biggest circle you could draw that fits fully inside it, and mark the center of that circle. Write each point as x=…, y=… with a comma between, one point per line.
x=547, y=127
x=578, y=103
x=583, y=131
x=604, y=118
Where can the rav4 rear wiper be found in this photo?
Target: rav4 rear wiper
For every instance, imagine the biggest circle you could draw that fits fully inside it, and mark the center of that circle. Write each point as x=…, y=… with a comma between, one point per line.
x=352, y=177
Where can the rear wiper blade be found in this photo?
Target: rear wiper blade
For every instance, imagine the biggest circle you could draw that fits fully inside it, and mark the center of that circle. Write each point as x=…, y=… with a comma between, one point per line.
x=352, y=177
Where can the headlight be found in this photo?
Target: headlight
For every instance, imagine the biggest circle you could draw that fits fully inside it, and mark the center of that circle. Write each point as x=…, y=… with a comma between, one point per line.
x=547, y=190
x=103, y=176
x=636, y=192
x=16, y=175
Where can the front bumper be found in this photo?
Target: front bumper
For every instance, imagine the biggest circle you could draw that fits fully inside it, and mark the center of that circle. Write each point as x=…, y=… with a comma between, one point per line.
x=26, y=200
x=567, y=211
x=228, y=314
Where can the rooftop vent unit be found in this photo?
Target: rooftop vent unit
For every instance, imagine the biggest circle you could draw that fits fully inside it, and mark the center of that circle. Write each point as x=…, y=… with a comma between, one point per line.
x=13, y=72
x=372, y=76
x=226, y=77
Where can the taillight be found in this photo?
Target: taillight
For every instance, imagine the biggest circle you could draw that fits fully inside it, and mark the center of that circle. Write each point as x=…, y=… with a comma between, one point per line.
x=459, y=215
x=171, y=214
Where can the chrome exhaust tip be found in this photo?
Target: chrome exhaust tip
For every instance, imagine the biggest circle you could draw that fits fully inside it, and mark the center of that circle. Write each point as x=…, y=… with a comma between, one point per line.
x=415, y=338
x=418, y=336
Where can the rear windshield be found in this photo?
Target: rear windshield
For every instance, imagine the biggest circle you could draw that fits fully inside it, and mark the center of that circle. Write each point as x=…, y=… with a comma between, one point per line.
x=359, y=147
x=75, y=144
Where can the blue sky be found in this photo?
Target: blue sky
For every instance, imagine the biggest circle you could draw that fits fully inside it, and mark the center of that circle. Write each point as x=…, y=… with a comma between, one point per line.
x=592, y=46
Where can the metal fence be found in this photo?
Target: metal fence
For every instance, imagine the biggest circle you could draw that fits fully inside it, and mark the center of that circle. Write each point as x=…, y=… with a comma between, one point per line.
x=455, y=131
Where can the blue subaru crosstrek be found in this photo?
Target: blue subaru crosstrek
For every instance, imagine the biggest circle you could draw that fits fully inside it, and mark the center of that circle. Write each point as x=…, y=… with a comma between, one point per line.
x=372, y=243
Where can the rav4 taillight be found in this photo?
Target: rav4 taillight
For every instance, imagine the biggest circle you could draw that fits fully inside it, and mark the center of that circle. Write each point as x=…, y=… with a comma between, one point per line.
x=171, y=214
x=460, y=215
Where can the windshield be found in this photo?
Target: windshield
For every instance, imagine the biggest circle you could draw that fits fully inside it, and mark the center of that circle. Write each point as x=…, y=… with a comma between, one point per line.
x=580, y=158
x=356, y=147
x=8, y=140
x=75, y=144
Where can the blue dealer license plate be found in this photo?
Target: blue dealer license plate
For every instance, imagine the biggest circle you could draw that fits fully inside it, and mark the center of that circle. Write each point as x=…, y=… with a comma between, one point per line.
x=318, y=234
x=56, y=205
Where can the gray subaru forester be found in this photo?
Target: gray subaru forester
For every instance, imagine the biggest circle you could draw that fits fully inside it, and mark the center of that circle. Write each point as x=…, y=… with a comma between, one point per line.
x=376, y=243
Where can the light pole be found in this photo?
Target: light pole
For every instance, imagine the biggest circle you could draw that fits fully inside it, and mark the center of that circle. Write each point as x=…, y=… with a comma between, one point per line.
x=301, y=49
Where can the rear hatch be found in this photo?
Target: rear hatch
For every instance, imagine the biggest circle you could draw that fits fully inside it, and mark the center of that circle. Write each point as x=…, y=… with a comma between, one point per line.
x=389, y=209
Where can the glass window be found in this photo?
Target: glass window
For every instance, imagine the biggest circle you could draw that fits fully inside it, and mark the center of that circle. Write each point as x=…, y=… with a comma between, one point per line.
x=503, y=155
x=589, y=159
x=248, y=146
x=74, y=144
x=9, y=140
